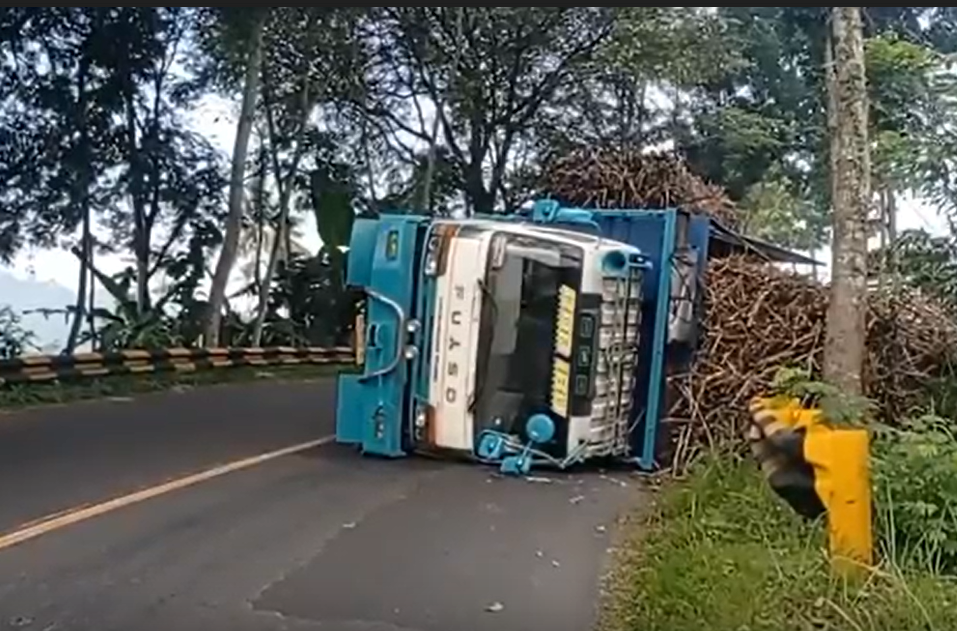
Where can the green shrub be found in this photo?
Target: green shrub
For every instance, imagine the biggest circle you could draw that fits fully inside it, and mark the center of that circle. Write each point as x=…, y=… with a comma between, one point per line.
x=915, y=488
x=721, y=552
x=14, y=339
x=914, y=470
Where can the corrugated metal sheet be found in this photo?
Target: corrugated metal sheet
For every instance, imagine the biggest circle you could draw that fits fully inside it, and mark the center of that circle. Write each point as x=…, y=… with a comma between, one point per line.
x=725, y=241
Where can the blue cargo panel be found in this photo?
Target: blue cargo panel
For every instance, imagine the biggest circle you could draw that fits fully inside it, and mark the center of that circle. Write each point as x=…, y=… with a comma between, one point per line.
x=653, y=233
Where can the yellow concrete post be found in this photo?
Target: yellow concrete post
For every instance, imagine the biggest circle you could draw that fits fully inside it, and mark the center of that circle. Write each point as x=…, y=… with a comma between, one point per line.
x=841, y=460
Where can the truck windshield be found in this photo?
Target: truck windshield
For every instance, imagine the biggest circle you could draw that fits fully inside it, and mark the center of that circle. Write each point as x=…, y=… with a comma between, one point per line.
x=517, y=330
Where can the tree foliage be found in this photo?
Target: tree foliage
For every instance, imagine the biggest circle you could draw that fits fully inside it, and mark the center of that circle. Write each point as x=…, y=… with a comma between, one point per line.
x=444, y=110
x=14, y=339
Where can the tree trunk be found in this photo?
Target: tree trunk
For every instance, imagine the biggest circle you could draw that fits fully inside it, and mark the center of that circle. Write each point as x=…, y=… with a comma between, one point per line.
x=91, y=289
x=426, y=202
x=141, y=233
x=881, y=191
x=844, y=351
x=227, y=255
x=81, y=198
x=284, y=185
x=79, y=314
x=258, y=256
x=893, y=262
x=259, y=206
x=287, y=241
x=367, y=158
x=887, y=199
x=676, y=114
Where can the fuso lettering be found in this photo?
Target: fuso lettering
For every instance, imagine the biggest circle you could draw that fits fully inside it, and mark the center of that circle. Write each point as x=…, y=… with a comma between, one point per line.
x=452, y=366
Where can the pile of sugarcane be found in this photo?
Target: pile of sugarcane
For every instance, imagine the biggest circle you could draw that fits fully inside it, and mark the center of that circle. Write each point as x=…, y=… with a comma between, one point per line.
x=631, y=179
x=759, y=318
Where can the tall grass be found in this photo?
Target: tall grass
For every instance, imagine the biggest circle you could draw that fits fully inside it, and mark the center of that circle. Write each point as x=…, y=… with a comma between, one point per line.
x=915, y=482
x=720, y=552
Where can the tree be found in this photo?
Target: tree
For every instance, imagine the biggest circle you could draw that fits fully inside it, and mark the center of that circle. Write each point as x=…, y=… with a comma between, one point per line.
x=665, y=50
x=53, y=185
x=911, y=121
x=848, y=117
x=488, y=87
x=769, y=111
x=926, y=262
x=776, y=210
x=237, y=183
x=14, y=339
x=93, y=106
x=308, y=64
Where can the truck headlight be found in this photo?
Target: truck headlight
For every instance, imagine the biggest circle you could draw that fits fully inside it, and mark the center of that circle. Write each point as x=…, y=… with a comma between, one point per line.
x=431, y=265
x=421, y=424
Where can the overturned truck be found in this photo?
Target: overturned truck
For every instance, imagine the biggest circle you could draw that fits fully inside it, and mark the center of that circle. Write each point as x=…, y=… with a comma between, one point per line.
x=543, y=338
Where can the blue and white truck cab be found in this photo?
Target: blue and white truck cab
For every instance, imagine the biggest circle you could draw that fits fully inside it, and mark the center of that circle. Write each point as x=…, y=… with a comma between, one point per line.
x=508, y=340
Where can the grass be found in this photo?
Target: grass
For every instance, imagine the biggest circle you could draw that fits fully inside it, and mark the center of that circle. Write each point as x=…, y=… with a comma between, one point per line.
x=720, y=552
x=16, y=396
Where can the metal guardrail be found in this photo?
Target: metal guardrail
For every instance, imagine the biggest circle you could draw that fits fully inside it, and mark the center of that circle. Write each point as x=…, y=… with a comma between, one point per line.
x=40, y=368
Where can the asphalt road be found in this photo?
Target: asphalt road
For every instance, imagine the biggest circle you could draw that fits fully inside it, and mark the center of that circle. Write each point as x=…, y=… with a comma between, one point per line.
x=321, y=539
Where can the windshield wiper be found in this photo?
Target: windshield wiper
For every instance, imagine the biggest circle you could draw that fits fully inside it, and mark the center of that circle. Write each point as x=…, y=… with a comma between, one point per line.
x=487, y=298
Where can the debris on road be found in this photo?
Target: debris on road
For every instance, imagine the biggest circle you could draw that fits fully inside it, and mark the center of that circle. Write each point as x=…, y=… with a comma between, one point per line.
x=613, y=480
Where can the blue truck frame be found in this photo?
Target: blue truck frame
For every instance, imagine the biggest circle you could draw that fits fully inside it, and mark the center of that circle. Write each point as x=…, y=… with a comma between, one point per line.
x=376, y=409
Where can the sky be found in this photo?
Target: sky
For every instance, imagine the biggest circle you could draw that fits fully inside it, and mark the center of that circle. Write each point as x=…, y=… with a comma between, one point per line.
x=912, y=214
x=215, y=117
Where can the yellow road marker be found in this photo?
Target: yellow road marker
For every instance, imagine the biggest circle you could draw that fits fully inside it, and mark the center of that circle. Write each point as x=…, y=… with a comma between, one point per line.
x=69, y=517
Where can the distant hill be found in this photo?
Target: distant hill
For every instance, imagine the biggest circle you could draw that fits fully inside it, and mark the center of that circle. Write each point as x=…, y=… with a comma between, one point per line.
x=24, y=294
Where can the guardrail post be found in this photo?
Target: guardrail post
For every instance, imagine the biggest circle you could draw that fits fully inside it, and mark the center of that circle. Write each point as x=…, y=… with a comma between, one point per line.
x=819, y=470
x=841, y=461
x=50, y=368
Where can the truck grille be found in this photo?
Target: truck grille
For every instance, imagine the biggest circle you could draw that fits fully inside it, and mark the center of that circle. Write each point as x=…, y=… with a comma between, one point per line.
x=618, y=338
